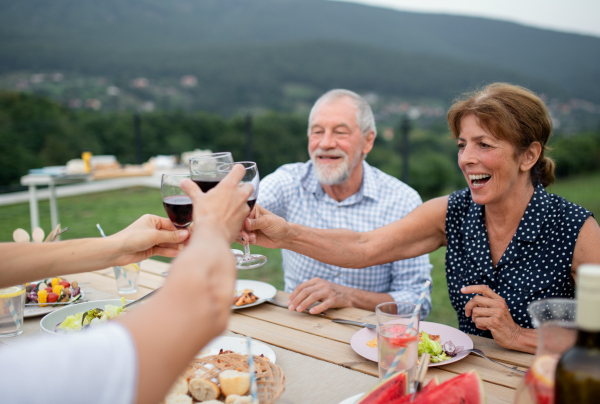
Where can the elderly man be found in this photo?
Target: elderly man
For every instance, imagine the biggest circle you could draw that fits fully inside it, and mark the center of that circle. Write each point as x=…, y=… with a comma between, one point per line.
x=338, y=189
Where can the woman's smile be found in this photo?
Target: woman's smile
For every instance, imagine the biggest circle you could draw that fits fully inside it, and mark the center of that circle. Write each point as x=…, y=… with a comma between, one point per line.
x=479, y=180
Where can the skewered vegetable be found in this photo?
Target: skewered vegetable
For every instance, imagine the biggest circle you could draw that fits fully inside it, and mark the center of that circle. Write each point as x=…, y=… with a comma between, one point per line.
x=57, y=289
x=32, y=297
x=43, y=297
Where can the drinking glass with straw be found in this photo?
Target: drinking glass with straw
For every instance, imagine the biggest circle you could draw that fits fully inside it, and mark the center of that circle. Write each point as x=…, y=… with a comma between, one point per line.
x=394, y=367
x=12, y=302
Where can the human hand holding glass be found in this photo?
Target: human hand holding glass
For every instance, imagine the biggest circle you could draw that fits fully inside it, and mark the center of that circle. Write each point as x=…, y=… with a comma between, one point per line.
x=249, y=261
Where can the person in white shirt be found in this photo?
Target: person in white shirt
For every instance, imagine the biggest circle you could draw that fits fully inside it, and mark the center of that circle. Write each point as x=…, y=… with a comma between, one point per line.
x=133, y=358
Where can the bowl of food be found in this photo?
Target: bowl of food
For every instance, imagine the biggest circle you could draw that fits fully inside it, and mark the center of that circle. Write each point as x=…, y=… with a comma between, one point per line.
x=73, y=319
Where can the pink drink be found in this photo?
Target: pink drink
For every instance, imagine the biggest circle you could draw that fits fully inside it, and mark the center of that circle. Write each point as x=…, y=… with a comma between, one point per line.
x=390, y=340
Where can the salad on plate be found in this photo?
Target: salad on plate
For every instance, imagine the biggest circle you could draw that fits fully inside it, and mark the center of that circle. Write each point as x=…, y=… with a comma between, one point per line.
x=90, y=318
x=431, y=344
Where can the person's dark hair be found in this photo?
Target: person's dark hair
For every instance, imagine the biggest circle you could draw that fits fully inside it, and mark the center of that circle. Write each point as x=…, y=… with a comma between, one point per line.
x=512, y=113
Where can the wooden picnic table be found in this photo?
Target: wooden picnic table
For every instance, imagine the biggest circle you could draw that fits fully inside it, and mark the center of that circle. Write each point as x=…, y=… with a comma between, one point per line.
x=315, y=353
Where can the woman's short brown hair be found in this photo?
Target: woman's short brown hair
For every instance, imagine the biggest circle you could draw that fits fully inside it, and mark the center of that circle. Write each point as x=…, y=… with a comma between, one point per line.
x=511, y=113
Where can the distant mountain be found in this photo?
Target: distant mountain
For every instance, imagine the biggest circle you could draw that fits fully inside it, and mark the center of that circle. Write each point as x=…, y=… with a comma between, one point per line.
x=247, y=51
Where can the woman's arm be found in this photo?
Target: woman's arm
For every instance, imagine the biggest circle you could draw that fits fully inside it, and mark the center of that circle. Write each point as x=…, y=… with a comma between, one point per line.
x=147, y=236
x=420, y=232
x=587, y=247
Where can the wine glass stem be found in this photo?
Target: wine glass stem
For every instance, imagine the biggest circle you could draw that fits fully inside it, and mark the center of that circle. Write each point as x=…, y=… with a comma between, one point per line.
x=247, y=249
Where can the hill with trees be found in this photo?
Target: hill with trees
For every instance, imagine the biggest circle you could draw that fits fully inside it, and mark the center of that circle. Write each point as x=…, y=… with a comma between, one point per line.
x=248, y=53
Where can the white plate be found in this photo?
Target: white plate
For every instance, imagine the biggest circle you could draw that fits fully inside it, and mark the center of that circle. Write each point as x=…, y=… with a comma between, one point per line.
x=237, y=345
x=358, y=342
x=261, y=290
x=49, y=322
x=34, y=309
x=352, y=400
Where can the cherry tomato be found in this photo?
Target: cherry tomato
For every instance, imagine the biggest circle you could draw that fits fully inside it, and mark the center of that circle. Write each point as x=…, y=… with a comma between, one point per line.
x=52, y=297
x=49, y=289
x=65, y=284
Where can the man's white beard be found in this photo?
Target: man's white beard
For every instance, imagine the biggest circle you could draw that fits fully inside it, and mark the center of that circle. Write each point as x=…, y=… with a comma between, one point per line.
x=333, y=174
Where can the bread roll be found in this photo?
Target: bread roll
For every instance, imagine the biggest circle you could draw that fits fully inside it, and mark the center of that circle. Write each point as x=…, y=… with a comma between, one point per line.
x=203, y=390
x=178, y=399
x=179, y=387
x=235, y=399
x=234, y=382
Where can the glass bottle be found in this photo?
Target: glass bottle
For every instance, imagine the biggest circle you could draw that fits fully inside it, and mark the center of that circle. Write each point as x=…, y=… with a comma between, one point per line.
x=578, y=370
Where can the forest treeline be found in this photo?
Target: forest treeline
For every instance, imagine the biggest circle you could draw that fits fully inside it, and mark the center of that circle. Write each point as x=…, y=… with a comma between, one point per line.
x=36, y=132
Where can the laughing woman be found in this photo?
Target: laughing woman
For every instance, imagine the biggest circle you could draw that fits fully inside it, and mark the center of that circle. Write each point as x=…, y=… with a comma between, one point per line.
x=509, y=242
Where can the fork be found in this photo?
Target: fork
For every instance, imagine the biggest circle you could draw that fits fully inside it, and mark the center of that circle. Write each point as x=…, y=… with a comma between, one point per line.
x=478, y=352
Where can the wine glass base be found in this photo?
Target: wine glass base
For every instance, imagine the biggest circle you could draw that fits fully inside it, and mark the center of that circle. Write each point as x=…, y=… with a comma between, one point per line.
x=252, y=261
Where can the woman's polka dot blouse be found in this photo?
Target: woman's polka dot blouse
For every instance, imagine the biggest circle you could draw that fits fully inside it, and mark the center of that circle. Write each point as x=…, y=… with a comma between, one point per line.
x=535, y=265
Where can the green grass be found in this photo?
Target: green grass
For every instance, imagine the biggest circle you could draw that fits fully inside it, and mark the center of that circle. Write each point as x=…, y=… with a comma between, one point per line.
x=117, y=209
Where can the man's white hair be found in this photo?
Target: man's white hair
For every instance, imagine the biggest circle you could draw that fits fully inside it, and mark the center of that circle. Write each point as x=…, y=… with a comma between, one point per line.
x=364, y=114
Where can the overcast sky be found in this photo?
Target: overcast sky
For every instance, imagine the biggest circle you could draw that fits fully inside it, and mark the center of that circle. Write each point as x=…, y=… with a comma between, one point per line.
x=578, y=16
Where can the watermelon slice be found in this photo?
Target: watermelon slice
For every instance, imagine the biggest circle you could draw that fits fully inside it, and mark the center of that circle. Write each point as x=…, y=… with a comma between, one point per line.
x=387, y=390
x=433, y=383
x=466, y=388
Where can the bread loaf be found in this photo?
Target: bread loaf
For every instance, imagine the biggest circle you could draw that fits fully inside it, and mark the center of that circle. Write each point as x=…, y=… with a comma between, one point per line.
x=203, y=390
x=234, y=382
x=178, y=399
x=235, y=399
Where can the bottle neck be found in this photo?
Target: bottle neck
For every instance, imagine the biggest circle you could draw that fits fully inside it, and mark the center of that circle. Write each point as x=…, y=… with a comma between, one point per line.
x=588, y=339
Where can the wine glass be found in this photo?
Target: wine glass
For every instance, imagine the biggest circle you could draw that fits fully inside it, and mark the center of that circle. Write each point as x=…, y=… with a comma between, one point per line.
x=207, y=170
x=176, y=202
x=249, y=261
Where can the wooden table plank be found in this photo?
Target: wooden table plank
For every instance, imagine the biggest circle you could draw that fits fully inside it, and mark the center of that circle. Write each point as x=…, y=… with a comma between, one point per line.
x=312, y=324
x=154, y=267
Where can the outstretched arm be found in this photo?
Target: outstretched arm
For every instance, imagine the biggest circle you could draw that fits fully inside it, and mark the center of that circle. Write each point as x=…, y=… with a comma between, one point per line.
x=149, y=235
x=420, y=232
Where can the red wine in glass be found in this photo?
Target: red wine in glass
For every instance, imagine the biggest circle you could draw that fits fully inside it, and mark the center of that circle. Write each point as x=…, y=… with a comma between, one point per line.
x=206, y=185
x=179, y=209
x=251, y=202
